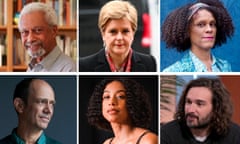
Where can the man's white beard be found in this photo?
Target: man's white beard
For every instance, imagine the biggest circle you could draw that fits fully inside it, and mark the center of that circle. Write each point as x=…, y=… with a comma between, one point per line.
x=40, y=52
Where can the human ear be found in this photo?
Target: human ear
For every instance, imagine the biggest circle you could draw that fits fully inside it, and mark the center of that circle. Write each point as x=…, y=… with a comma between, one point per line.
x=19, y=105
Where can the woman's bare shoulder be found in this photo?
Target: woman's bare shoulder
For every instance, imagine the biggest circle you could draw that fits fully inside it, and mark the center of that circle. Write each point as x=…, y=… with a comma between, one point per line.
x=149, y=138
x=107, y=141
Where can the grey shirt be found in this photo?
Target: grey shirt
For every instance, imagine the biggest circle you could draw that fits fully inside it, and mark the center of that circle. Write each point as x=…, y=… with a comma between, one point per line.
x=55, y=61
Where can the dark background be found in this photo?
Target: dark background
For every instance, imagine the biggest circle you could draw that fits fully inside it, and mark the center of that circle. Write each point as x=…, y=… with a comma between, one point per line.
x=63, y=126
x=92, y=135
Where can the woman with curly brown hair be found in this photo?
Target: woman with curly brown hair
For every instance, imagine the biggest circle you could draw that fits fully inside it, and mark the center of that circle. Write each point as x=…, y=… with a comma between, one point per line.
x=203, y=116
x=122, y=106
x=198, y=27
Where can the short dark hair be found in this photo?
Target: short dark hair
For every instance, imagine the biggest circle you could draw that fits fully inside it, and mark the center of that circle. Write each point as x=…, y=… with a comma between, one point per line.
x=138, y=104
x=22, y=89
x=222, y=106
x=175, y=29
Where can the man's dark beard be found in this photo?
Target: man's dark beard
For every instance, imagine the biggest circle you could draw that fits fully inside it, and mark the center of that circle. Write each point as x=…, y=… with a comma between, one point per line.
x=205, y=124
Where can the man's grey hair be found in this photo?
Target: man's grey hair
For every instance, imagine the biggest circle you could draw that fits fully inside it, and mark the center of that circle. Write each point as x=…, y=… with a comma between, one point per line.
x=50, y=14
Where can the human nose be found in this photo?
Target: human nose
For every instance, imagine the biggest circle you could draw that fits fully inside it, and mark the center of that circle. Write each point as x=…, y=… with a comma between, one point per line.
x=190, y=108
x=119, y=35
x=48, y=108
x=209, y=28
x=31, y=36
x=112, y=101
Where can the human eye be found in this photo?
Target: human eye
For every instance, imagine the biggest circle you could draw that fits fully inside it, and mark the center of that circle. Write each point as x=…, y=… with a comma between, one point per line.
x=24, y=32
x=41, y=101
x=126, y=31
x=113, y=31
x=201, y=24
x=212, y=24
x=188, y=102
x=38, y=30
x=200, y=103
x=105, y=97
x=121, y=95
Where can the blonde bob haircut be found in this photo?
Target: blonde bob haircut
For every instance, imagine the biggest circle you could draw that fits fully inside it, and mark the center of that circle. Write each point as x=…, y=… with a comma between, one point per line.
x=117, y=9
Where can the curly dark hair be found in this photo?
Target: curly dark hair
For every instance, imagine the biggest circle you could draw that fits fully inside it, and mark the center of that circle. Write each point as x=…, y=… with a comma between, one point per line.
x=222, y=105
x=175, y=29
x=138, y=104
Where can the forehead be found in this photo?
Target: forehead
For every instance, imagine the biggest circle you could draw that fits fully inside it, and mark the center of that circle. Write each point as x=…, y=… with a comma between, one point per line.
x=32, y=19
x=203, y=14
x=120, y=23
x=41, y=89
x=114, y=85
x=199, y=93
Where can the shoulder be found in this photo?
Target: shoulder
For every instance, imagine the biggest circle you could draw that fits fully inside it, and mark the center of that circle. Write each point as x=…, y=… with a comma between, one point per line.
x=87, y=63
x=172, y=124
x=170, y=132
x=235, y=128
x=92, y=57
x=6, y=140
x=146, y=61
x=66, y=63
x=149, y=138
x=107, y=141
x=143, y=56
x=224, y=65
x=185, y=64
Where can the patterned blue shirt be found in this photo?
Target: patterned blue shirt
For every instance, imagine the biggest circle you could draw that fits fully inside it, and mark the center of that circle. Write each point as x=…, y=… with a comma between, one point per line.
x=191, y=63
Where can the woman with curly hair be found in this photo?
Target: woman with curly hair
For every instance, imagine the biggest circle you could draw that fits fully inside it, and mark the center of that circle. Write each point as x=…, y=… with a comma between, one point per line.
x=198, y=27
x=122, y=106
x=203, y=116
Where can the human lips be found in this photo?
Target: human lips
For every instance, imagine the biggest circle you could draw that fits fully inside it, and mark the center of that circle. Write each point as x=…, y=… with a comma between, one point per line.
x=112, y=111
x=208, y=37
x=33, y=45
x=44, y=118
x=191, y=117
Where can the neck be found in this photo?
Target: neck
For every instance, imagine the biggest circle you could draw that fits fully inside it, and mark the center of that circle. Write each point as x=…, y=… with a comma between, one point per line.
x=122, y=132
x=30, y=136
x=200, y=132
x=118, y=60
x=204, y=56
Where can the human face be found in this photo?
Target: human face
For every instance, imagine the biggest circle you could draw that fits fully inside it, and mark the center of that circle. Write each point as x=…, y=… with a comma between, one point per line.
x=39, y=109
x=114, y=103
x=203, y=30
x=118, y=36
x=198, y=107
x=38, y=37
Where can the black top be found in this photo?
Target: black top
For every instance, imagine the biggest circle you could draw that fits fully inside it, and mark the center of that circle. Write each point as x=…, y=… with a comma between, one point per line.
x=98, y=63
x=178, y=133
x=139, y=139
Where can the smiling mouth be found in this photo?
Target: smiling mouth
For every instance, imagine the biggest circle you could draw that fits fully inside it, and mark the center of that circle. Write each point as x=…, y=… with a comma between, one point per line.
x=45, y=118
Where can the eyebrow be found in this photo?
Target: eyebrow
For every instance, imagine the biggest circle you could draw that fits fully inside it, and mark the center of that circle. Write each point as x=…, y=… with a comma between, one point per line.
x=116, y=92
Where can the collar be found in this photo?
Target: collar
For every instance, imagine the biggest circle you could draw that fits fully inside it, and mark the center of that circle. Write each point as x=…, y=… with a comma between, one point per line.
x=125, y=67
x=198, y=64
x=18, y=140
x=48, y=61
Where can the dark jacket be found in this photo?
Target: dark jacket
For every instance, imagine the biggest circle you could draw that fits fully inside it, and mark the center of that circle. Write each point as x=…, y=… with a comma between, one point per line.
x=98, y=63
x=176, y=132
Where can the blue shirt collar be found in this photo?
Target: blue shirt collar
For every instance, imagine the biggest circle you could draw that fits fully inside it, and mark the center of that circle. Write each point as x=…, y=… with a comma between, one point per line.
x=200, y=66
x=41, y=139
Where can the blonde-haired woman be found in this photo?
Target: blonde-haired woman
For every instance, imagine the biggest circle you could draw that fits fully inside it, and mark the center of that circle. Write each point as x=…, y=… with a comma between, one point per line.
x=117, y=23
